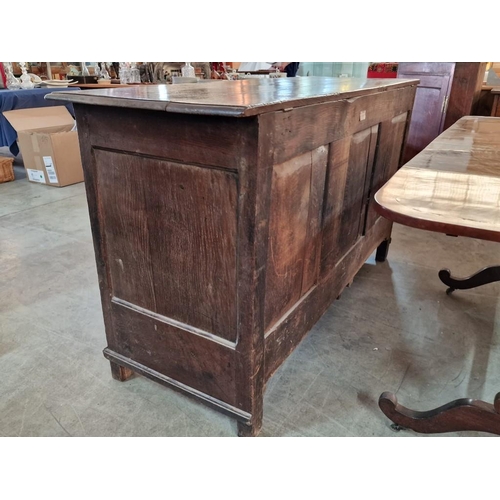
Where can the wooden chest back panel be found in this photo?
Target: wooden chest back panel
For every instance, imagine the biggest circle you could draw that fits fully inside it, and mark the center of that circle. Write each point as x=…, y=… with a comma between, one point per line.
x=329, y=161
x=351, y=174
x=333, y=209
x=294, y=218
x=171, y=231
x=359, y=171
x=298, y=234
x=312, y=252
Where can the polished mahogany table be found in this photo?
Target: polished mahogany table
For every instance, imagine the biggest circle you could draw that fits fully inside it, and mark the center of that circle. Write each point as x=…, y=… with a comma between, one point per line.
x=452, y=187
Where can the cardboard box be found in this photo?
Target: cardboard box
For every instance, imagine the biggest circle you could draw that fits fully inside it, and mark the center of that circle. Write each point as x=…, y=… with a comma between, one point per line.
x=49, y=146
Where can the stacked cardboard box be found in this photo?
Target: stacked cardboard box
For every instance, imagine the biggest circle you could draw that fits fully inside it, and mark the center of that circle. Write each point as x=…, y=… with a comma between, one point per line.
x=49, y=145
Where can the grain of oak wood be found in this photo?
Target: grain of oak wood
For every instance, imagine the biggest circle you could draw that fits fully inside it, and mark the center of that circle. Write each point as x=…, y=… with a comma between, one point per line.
x=235, y=98
x=227, y=216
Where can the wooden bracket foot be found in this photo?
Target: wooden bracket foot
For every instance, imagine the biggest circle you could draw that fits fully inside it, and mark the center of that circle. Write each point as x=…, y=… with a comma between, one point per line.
x=459, y=415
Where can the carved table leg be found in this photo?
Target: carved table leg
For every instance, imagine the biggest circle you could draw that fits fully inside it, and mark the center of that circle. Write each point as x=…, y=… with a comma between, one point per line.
x=120, y=372
x=482, y=277
x=382, y=250
x=459, y=415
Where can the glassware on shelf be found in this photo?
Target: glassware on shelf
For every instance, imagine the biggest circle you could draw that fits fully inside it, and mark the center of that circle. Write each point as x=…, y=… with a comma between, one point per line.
x=85, y=70
x=97, y=70
x=124, y=72
x=26, y=82
x=188, y=70
x=13, y=83
x=104, y=72
x=135, y=74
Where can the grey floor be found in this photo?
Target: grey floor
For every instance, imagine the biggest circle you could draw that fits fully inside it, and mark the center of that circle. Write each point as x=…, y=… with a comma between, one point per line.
x=393, y=329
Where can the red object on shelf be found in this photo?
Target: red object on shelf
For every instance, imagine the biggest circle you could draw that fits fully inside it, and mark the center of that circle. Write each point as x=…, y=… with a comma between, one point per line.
x=382, y=70
x=3, y=77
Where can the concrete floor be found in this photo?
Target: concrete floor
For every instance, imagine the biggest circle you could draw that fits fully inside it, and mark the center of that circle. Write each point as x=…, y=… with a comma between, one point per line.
x=393, y=329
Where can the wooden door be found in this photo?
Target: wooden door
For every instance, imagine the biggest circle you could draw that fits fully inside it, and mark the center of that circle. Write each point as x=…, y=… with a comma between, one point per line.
x=429, y=109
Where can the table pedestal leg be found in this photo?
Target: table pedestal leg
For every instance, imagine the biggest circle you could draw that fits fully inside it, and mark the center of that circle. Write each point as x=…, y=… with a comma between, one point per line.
x=482, y=277
x=382, y=250
x=459, y=415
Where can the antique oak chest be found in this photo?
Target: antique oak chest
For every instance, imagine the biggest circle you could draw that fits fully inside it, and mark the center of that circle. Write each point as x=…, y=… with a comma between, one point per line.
x=228, y=215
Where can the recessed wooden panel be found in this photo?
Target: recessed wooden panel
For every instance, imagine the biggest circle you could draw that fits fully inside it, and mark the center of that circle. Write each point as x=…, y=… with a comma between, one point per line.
x=198, y=362
x=390, y=143
x=312, y=253
x=465, y=91
x=171, y=231
x=123, y=207
x=370, y=174
x=350, y=171
x=354, y=192
x=294, y=231
x=289, y=211
x=338, y=161
x=424, y=126
x=429, y=109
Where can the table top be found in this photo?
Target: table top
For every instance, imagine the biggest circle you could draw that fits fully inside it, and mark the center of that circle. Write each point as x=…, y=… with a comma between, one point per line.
x=235, y=98
x=453, y=185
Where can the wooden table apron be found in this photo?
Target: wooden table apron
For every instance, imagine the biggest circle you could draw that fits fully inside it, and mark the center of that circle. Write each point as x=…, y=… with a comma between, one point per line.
x=225, y=229
x=451, y=187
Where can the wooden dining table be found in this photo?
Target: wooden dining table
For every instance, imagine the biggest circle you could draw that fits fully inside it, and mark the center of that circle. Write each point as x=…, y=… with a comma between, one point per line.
x=451, y=187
